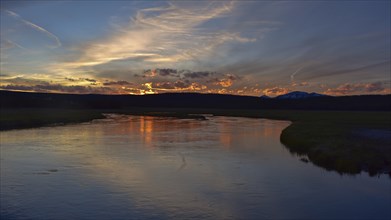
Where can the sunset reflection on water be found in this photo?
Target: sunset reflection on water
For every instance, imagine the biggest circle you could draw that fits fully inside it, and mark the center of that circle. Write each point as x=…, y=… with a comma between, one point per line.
x=163, y=168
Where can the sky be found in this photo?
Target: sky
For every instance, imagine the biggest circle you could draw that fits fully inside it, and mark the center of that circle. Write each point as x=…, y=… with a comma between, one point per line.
x=230, y=47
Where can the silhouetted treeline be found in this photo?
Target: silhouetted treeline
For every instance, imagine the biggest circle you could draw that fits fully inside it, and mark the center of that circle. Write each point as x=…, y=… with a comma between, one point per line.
x=10, y=99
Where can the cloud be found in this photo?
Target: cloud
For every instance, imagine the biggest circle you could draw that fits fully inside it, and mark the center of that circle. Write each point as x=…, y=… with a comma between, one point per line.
x=167, y=34
x=366, y=68
x=275, y=91
x=293, y=74
x=60, y=85
x=191, y=80
x=178, y=86
x=17, y=87
x=165, y=85
x=159, y=72
x=21, y=80
x=359, y=88
x=167, y=72
x=8, y=44
x=34, y=26
x=182, y=84
x=81, y=80
x=301, y=84
x=374, y=87
x=71, y=79
x=194, y=75
x=226, y=80
x=118, y=83
x=206, y=78
x=57, y=88
x=89, y=80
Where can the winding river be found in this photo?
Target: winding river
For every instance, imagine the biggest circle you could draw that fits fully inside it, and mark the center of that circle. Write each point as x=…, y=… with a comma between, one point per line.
x=141, y=167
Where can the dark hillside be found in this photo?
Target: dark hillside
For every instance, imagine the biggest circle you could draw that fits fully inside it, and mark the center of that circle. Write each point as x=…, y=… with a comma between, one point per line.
x=10, y=99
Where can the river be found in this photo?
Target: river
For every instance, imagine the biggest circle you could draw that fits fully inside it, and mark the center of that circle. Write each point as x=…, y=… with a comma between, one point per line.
x=142, y=167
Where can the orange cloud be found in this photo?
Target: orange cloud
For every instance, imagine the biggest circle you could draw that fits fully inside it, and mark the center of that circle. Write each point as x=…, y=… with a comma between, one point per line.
x=300, y=84
x=359, y=88
x=225, y=83
x=275, y=91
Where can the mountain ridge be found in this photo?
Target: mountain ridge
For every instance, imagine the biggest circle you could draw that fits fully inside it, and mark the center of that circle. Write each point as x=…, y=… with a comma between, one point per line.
x=299, y=95
x=9, y=99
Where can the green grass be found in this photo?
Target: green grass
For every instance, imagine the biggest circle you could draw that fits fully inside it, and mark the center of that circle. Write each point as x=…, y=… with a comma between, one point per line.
x=331, y=139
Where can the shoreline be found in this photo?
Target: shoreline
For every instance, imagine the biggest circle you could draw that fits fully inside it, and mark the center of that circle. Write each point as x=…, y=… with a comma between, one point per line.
x=334, y=140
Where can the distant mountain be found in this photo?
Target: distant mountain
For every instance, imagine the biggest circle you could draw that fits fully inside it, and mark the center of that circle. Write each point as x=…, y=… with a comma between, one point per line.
x=265, y=97
x=159, y=102
x=299, y=95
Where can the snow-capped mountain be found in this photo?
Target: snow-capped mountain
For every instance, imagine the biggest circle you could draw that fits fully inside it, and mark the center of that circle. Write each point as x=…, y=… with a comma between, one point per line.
x=265, y=97
x=299, y=95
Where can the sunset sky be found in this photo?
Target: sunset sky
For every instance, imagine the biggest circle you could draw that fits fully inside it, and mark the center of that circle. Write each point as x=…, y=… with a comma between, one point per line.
x=232, y=47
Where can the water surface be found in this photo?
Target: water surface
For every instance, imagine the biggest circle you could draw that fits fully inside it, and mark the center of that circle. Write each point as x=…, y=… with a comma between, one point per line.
x=139, y=167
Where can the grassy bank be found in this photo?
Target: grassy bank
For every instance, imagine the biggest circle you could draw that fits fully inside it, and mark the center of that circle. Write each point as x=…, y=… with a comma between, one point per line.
x=347, y=142
x=31, y=118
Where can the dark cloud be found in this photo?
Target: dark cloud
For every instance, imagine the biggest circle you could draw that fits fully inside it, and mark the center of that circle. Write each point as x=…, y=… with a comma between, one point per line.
x=89, y=80
x=158, y=72
x=17, y=87
x=182, y=84
x=358, y=88
x=73, y=89
x=71, y=79
x=81, y=79
x=232, y=77
x=60, y=88
x=146, y=73
x=226, y=80
x=167, y=72
x=275, y=91
x=195, y=75
x=23, y=81
x=184, y=74
x=119, y=83
x=179, y=84
x=131, y=90
x=164, y=85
